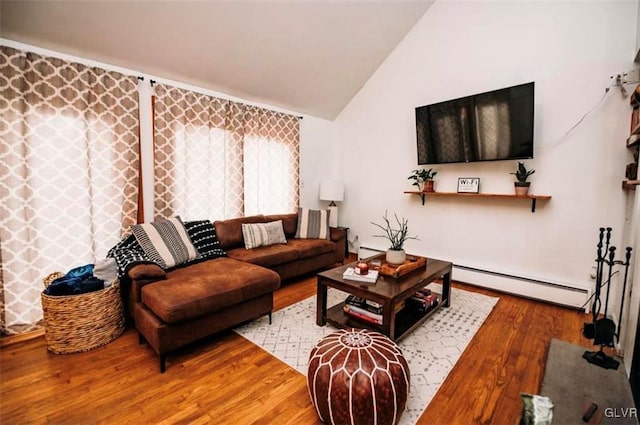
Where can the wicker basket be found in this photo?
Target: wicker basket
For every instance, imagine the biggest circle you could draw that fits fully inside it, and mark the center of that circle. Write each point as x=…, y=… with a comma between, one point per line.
x=76, y=323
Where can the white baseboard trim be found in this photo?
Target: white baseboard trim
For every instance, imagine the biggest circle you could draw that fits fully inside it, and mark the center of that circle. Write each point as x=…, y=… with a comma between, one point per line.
x=569, y=295
x=565, y=294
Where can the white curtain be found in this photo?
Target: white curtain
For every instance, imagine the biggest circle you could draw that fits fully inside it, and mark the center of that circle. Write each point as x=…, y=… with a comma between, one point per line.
x=218, y=159
x=68, y=172
x=271, y=162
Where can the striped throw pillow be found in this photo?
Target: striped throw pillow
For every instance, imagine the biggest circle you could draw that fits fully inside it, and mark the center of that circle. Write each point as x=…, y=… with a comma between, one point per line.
x=312, y=224
x=165, y=242
x=263, y=234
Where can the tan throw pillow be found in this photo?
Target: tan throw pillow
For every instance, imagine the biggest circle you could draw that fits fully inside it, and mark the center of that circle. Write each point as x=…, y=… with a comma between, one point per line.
x=165, y=242
x=312, y=224
x=263, y=234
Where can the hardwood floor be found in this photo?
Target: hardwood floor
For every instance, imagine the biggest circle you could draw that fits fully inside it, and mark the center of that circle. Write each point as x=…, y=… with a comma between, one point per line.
x=228, y=380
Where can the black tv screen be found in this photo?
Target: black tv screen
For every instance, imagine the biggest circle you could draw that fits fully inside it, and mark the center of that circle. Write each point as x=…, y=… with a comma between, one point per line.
x=489, y=126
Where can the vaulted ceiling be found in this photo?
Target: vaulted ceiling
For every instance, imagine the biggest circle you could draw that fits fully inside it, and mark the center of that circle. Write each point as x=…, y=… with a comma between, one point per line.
x=311, y=56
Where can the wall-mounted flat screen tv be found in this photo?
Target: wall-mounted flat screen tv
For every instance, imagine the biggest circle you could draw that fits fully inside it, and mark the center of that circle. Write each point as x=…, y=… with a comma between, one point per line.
x=491, y=126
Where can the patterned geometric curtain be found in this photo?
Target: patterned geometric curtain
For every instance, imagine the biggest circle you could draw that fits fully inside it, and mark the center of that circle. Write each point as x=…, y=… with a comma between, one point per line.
x=198, y=162
x=68, y=172
x=220, y=159
x=271, y=162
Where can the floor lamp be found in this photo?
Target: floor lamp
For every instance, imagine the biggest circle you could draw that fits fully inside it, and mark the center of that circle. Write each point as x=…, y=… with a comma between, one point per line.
x=333, y=191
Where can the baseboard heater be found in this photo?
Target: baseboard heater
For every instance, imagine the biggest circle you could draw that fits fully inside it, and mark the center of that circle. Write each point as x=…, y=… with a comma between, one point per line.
x=574, y=296
x=557, y=293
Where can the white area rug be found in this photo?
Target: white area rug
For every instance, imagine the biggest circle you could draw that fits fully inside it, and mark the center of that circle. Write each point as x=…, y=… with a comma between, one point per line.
x=431, y=350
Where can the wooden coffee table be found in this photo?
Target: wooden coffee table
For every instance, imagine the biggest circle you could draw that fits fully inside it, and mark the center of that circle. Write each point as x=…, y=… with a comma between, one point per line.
x=389, y=292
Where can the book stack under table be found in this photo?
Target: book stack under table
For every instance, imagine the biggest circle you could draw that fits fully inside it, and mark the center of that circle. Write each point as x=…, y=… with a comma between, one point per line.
x=370, y=312
x=362, y=309
x=423, y=301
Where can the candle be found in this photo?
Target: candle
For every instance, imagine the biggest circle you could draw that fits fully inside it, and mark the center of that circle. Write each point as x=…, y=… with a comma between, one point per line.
x=362, y=268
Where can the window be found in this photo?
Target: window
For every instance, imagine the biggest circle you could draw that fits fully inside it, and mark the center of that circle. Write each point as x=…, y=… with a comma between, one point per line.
x=219, y=159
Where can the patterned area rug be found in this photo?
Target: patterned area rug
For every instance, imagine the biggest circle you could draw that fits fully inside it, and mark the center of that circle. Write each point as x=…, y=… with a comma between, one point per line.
x=431, y=350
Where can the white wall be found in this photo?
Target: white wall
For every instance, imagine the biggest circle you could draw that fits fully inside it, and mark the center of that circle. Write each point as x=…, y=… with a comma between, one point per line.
x=316, y=135
x=570, y=50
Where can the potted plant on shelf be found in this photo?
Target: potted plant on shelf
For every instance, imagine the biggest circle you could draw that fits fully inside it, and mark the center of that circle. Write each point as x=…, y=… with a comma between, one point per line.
x=396, y=237
x=423, y=179
x=522, y=174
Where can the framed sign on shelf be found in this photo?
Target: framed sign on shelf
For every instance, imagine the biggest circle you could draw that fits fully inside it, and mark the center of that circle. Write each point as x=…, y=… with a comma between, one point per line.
x=468, y=185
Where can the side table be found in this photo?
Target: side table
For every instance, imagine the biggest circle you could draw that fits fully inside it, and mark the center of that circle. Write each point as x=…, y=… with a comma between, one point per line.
x=346, y=240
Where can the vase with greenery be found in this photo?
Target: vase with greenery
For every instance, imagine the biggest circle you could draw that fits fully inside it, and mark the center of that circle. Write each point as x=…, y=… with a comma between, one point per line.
x=423, y=179
x=522, y=174
x=397, y=234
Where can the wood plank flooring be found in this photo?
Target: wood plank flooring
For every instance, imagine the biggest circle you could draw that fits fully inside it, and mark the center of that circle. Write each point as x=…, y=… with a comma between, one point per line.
x=228, y=380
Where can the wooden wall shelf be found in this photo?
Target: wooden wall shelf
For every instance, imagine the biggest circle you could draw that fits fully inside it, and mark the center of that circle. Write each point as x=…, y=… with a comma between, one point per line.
x=533, y=198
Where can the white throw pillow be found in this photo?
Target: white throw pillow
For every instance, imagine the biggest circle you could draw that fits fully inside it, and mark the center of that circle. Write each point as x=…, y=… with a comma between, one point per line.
x=263, y=234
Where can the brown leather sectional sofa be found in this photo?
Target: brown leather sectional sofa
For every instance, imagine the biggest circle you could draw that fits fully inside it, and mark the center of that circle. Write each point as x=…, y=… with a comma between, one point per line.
x=176, y=307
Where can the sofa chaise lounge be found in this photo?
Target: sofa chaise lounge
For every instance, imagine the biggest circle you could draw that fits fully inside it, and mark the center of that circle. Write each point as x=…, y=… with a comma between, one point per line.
x=172, y=308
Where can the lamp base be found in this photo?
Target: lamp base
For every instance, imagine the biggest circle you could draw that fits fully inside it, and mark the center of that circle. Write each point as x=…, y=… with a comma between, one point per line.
x=333, y=215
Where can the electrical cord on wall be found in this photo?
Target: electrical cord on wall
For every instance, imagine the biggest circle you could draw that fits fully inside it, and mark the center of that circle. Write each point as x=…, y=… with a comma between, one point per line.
x=618, y=82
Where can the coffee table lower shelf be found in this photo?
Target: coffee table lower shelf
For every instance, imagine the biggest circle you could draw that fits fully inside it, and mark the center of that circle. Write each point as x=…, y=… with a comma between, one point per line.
x=406, y=320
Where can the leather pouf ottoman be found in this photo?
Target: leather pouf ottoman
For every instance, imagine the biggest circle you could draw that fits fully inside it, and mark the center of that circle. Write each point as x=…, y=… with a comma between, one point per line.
x=358, y=377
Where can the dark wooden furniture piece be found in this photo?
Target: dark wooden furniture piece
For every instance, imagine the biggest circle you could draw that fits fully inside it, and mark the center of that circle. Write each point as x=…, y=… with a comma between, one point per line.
x=346, y=241
x=634, y=375
x=390, y=292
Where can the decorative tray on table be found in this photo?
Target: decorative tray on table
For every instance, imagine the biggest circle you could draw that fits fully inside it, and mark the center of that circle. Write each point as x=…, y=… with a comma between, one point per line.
x=408, y=266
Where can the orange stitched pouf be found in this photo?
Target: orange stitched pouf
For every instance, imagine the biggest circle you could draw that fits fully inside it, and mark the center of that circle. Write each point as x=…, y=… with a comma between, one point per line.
x=358, y=376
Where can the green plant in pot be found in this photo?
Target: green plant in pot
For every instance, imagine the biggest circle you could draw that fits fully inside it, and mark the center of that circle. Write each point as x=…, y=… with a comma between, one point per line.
x=423, y=179
x=522, y=174
x=397, y=234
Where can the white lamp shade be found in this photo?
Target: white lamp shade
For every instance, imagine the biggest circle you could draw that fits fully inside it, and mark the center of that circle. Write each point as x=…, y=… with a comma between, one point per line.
x=331, y=190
